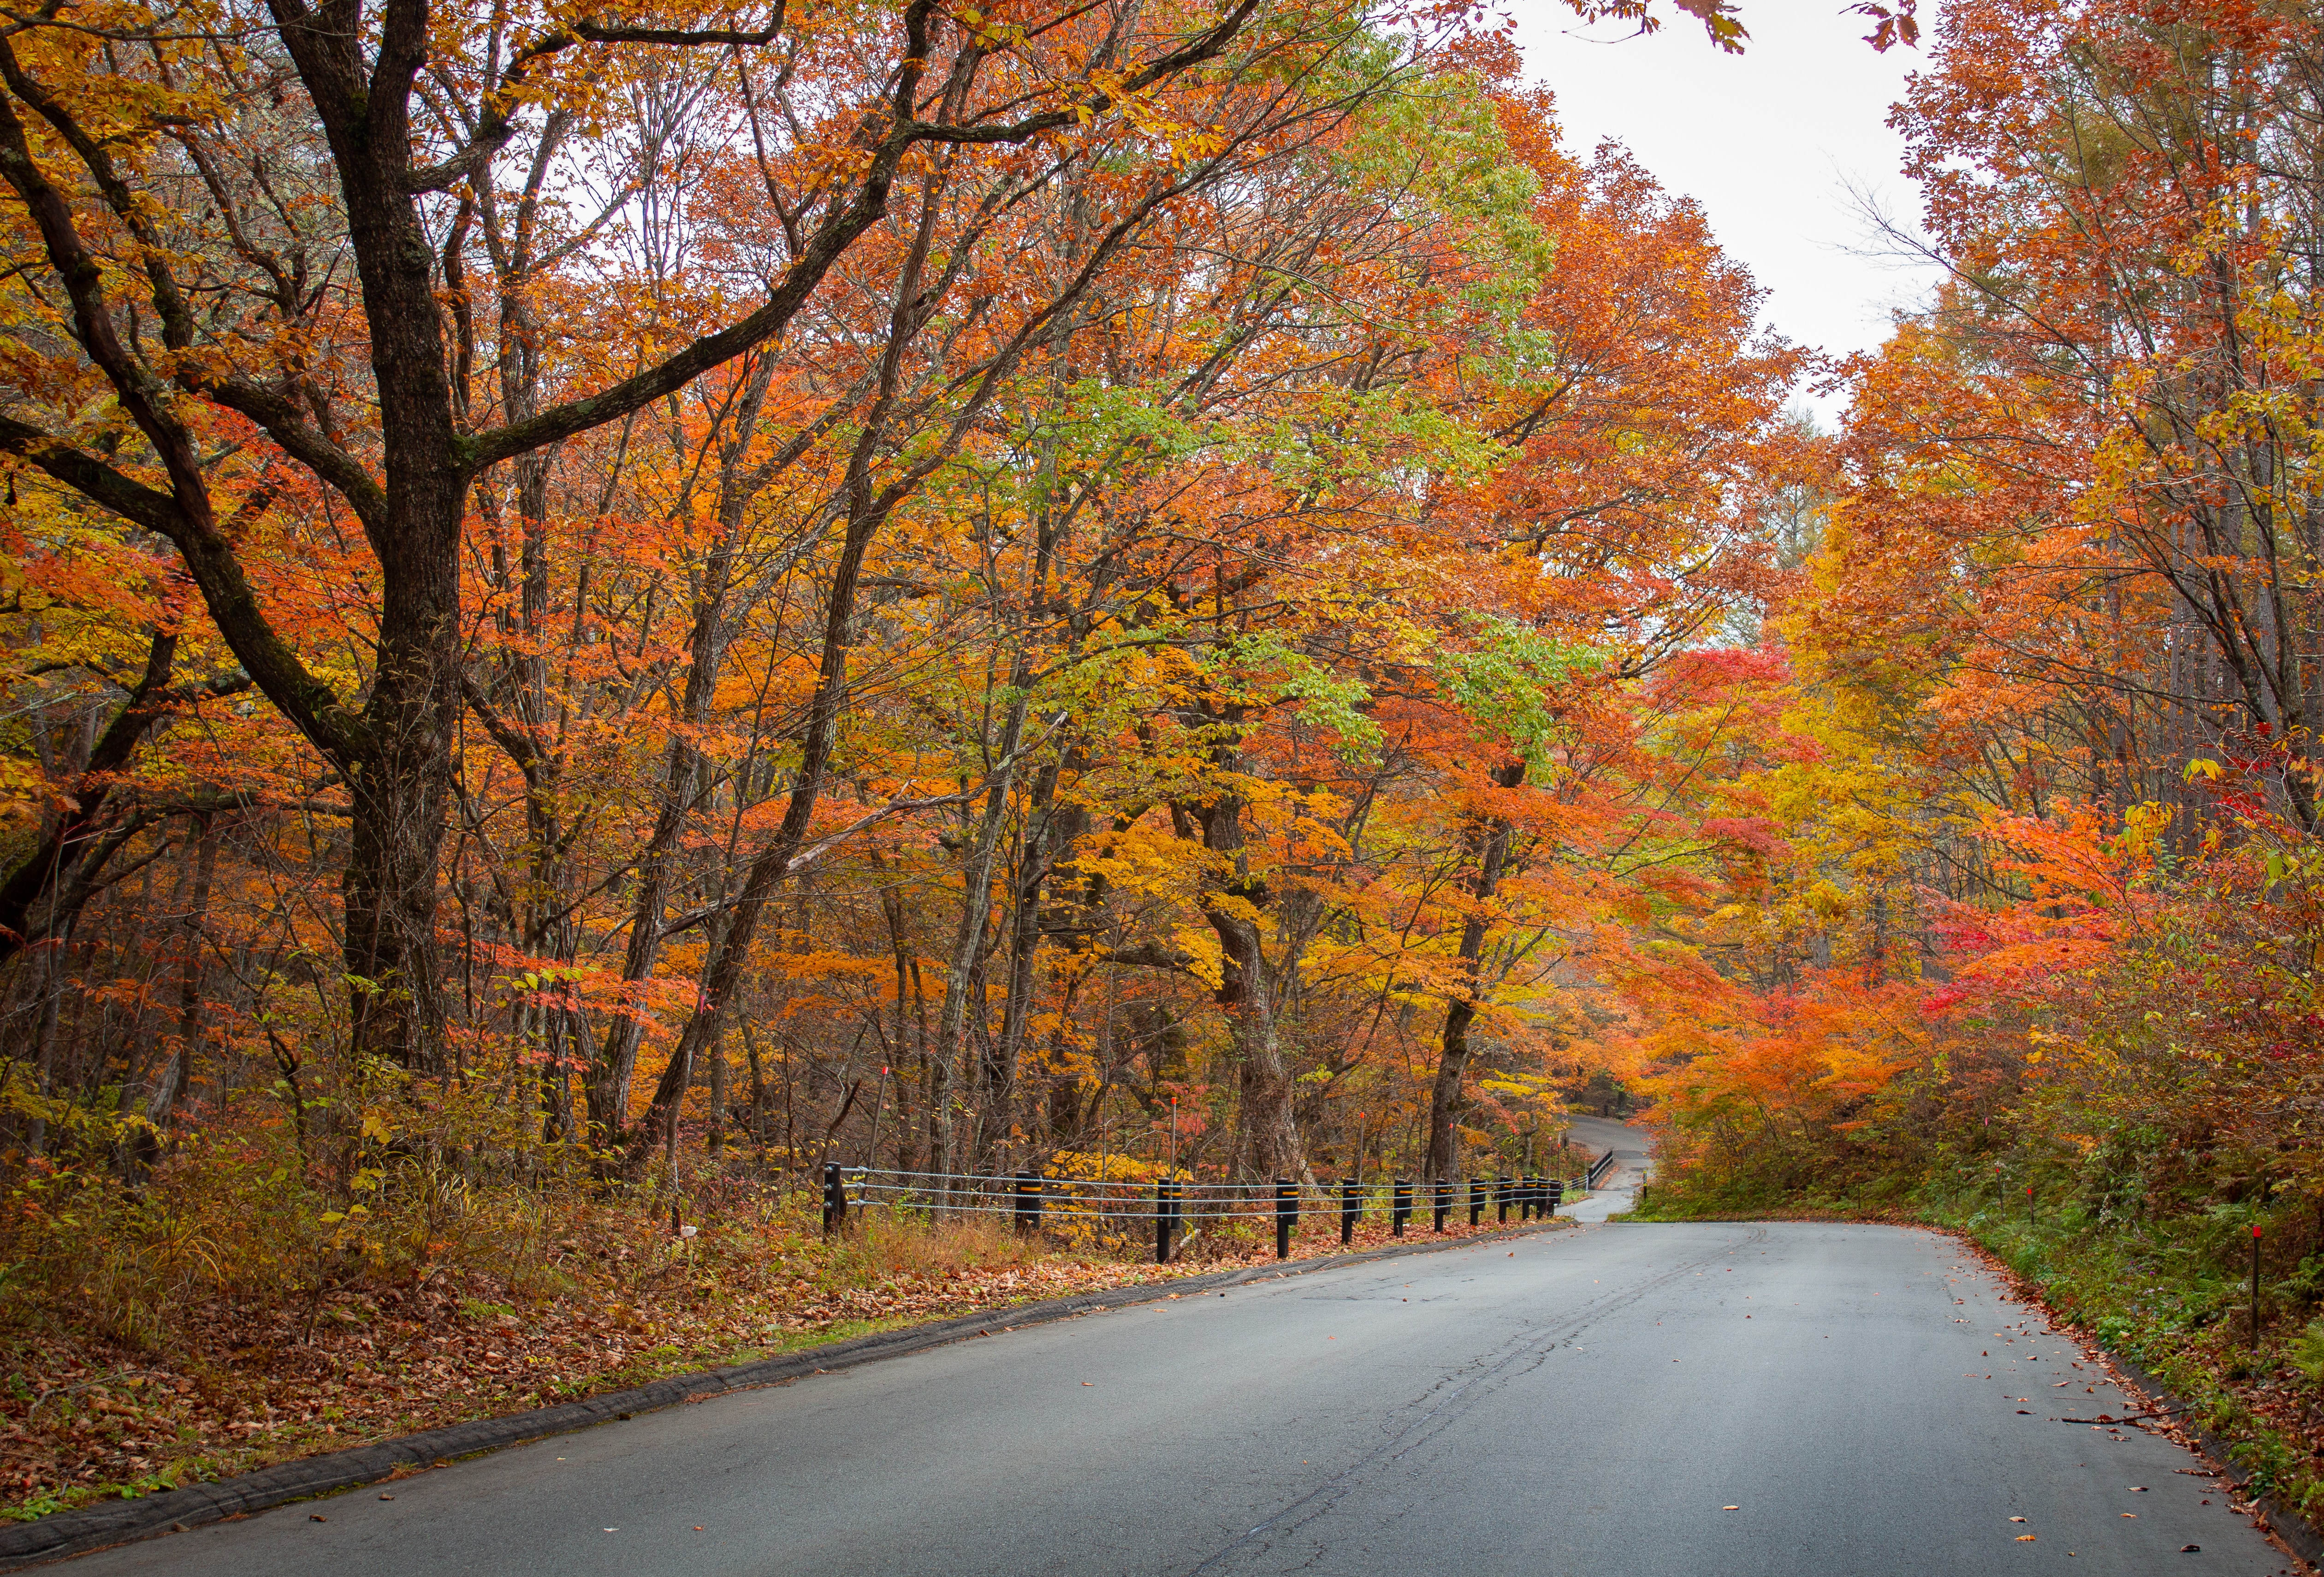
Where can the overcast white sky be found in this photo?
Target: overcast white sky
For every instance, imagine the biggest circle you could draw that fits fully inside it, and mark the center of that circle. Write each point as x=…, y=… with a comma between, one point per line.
x=1768, y=141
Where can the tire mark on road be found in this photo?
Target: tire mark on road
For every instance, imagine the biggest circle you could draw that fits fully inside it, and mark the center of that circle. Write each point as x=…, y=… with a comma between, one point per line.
x=1522, y=1354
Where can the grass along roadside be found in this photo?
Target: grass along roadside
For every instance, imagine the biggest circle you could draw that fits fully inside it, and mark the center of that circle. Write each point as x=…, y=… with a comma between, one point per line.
x=236, y=1385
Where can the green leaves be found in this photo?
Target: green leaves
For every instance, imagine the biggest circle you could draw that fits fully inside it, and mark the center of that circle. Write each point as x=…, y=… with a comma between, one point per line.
x=1269, y=669
x=1506, y=677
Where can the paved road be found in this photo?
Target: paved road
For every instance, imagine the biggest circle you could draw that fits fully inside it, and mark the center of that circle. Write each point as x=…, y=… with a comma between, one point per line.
x=1619, y=1190
x=1619, y=1401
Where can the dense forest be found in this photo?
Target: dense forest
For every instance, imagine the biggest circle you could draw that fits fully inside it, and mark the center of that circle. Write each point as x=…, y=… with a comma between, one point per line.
x=1225, y=600
x=604, y=607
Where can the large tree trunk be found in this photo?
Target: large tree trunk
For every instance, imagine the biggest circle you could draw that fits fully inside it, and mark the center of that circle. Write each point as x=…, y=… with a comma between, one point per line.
x=986, y=1081
x=1489, y=838
x=394, y=981
x=1267, y=1139
x=401, y=769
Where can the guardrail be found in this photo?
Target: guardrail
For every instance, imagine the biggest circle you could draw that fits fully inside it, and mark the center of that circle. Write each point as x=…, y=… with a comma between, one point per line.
x=1599, y=1168
x=1170, y=1204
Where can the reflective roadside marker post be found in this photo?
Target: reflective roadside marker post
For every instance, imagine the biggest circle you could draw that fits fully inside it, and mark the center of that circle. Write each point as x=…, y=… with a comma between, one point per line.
x=1443, y=1201
x=1029, y=1202
x=1165, y=1212
x=1351, y=1205
x=1286, y=1210
x=2254, y=1287
x=1476, y=1200
x=1402, y=1199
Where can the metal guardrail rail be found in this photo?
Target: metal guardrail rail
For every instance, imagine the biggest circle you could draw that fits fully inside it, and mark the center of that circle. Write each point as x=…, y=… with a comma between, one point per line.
x=1170, y=1203
x=1599, y=1168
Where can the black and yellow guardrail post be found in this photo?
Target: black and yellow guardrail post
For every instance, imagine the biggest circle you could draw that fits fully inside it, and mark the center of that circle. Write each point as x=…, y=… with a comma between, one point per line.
x=1287, y=1211
x=1351, y=1205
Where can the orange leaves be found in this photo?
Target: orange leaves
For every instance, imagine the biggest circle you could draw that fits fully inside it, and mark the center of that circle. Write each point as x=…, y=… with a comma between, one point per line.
x=1824, y=1055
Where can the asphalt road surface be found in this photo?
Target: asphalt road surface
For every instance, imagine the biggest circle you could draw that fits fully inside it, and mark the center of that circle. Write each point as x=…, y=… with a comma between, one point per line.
x=1616, y=1401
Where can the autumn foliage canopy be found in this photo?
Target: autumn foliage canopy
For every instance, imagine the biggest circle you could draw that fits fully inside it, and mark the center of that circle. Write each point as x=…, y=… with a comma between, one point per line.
x=613, y=595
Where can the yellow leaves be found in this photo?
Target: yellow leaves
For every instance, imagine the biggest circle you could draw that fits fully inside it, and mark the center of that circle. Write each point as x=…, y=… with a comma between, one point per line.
x=1206, y=960
x=1234, y=906
x=24, y=792
x=1519, y=1087
x=2143, y=827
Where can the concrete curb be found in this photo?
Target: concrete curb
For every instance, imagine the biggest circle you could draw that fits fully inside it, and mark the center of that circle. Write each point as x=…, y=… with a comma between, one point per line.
x=2292, y=1528
x=91, y=1527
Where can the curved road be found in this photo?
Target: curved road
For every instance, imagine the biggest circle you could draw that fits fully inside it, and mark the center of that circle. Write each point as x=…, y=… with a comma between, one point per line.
x=1620, y=1191
x=1795, y=1400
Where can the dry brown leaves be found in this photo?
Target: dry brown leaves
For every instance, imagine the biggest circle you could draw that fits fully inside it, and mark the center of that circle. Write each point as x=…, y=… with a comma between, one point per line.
x=84, y=1417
